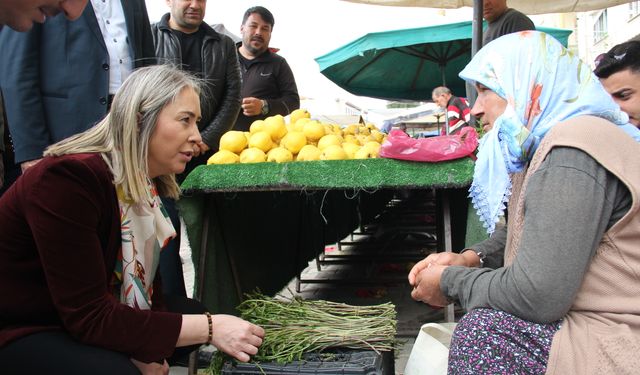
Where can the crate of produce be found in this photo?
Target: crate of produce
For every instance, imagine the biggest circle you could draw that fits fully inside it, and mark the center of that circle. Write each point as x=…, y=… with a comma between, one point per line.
x=347, y=362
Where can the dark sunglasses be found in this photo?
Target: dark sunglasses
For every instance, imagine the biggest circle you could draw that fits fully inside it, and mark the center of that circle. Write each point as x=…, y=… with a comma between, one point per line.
x=607, y=55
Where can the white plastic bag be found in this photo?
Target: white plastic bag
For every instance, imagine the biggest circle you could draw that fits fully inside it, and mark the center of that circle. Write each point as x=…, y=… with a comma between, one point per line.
x=430, y=352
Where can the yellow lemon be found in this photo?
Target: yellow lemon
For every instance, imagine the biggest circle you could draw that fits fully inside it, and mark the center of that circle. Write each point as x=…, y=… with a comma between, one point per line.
x=256, y=126
x=350, y=138
x=377, y=135
x=333, y=152
x=363, y=130
x=363, y=139
x=350, y=149
x=252, y=155
x=275, y=126
x=351, y=129
x=328, y=129
x=279, y=155
x=328, y=140
x=294, y=141
x=233, y=141
x=223, y=157
x=261, y=140
x=313, y=130
x=365, y=153
x=299, y=125
x=308, y=153
x=298, y=114
x=373, y=146
x=247, y=135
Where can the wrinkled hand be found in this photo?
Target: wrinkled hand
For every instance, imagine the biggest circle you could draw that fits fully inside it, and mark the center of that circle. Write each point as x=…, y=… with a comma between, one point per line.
x=152, y=368
x=443, y=259
x=236, y=337
x=426, y=286
x=251, y=106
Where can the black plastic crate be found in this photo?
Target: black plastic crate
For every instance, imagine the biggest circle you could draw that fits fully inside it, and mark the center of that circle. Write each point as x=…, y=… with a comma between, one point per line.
x=340, y=362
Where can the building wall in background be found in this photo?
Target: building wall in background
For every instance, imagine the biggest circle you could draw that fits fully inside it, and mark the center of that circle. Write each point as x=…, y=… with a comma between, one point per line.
x=602, y=29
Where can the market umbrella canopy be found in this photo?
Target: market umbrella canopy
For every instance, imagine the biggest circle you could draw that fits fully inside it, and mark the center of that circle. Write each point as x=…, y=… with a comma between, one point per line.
x=525, y=6
x=406, y=64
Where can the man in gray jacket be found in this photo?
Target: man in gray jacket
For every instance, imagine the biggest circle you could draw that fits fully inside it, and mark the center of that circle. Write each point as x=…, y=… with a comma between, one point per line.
x=183, y=39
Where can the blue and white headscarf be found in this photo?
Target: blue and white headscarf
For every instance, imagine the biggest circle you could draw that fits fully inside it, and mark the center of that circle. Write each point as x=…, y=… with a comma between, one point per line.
x=543, y=84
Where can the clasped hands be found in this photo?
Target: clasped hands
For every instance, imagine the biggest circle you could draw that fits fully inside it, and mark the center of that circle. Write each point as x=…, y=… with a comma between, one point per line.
x=425, y=276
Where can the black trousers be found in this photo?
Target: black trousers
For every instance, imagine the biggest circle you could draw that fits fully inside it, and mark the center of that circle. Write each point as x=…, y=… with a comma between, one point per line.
x=56, y=352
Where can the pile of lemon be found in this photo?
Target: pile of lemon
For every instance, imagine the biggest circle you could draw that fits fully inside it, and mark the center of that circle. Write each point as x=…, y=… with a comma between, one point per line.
x=301, y=139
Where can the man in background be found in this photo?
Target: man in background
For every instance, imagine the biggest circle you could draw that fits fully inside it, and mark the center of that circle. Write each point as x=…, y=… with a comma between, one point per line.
x=183, y=39
x=60, y=76
x=456, y=109
x=21, y=14
x=268, y=85
x=619, y=73
x=502, y=20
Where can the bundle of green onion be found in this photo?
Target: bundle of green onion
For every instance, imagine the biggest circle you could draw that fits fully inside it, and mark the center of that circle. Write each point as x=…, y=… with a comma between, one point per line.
x=296, y=326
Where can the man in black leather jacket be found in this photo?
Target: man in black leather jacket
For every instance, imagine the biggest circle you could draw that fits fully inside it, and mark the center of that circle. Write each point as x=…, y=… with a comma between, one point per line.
x=182, y=38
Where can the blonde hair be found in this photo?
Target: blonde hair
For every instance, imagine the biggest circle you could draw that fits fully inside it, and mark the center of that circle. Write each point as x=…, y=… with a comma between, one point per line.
x=122, y=137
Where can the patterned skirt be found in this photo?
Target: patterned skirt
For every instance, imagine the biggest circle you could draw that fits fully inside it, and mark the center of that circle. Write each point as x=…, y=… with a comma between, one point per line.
x=488, y=341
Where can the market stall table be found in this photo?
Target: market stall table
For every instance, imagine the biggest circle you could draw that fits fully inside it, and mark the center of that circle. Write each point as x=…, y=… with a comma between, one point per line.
x=222, y=273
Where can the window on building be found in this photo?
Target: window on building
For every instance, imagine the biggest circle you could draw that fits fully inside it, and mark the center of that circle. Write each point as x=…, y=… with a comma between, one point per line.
x=600, y=28
x=634, y=9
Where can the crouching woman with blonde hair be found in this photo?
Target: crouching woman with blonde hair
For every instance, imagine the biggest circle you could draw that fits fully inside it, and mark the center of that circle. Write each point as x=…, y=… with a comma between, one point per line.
x=80, y=236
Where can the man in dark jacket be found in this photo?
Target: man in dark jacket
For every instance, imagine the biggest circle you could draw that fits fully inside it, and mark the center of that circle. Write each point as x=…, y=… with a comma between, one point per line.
x=60, y=76
x=182, y=38
x=268, y=85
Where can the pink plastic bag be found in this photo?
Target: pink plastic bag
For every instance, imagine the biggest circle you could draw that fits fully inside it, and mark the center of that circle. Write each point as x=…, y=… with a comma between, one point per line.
x=444, y=147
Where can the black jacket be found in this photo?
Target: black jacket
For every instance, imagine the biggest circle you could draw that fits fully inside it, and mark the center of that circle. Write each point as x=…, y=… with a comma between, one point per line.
x=270, y=78
x=220, y=98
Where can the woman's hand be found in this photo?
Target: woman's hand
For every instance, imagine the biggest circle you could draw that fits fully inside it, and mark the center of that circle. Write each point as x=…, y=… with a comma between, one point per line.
x=443, y=259
x=152, y=368
x=236, y=337
x=426, y=286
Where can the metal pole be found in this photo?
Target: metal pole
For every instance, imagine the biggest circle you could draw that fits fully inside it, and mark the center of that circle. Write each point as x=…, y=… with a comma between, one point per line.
x=476, y=43
x=446, y=121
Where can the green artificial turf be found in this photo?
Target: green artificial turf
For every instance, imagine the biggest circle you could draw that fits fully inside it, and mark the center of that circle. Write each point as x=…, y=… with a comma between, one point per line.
x=330, y=174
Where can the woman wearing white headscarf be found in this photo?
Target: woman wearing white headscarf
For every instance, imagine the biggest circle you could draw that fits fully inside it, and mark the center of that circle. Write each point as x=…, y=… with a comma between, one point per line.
x=563, y=157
